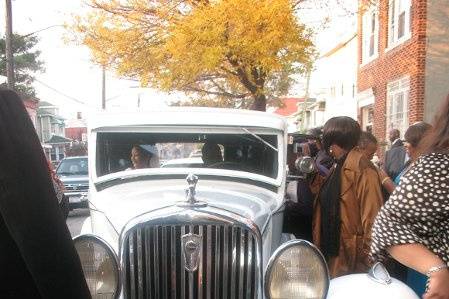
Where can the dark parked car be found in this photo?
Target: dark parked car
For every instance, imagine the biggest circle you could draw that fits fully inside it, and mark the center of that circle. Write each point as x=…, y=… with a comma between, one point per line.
x=73, y=172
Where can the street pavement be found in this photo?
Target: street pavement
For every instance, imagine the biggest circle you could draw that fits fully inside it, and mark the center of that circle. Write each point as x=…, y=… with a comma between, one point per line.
x=75, y=221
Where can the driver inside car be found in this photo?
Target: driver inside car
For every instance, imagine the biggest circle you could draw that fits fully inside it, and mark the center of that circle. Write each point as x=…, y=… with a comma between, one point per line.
x=211, y=154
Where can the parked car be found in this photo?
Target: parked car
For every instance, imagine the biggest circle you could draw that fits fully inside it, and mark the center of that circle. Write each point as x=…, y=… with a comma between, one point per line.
x=196, y=232
x=73, y=173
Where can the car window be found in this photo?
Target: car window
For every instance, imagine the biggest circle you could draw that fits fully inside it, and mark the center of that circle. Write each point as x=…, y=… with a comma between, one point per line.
x=239, y=152
x=73, y=166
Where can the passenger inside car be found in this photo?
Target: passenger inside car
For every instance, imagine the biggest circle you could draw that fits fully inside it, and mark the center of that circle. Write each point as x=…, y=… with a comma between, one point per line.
x=211, y=154
x=144, y=156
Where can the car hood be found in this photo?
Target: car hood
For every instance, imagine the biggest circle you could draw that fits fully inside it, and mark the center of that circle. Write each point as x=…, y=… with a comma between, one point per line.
x=123, y=202
x=73, y=178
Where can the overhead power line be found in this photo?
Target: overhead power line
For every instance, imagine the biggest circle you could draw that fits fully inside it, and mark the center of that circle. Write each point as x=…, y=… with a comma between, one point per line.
x=61, y=93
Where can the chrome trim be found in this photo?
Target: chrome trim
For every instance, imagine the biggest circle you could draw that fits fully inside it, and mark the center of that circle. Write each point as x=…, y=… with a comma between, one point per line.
x=148, y=268
x=200, y=266
x=173, y=263
x=139, y=268
x=250, y=256
x=164, y=265
x=241, y=262
x=156, y=261
x=209, y=260
x=217, y=260
x=225, y=260
x=203, y=216
x=131, y=261
x=183, y=273
x=384, y=278
x=284, y=247
x=111, y=251
x=234, y=260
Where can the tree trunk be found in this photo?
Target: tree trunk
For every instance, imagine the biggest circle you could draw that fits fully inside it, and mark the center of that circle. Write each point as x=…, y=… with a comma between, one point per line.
x=259, y=103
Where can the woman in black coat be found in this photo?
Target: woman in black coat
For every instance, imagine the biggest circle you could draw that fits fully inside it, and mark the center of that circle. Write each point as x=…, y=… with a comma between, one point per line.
x=37, y=256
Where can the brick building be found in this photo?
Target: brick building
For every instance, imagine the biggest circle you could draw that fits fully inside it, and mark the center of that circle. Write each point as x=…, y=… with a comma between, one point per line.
x=403, y=68
x=76, y=129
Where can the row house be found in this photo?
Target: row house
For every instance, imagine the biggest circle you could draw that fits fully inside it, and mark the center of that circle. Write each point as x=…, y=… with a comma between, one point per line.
x=289, y=109
x=403, y=64
x=333, y=83
x=50, y=129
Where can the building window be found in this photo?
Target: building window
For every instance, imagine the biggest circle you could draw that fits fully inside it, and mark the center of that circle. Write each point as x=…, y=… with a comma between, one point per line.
x=368, y=118
x=370, y=34
x=399, y=22
x=397, y=104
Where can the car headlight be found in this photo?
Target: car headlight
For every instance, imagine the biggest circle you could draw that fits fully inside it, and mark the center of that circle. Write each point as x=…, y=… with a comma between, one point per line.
x=100, y=266
x=305, y=164
x=297, y=269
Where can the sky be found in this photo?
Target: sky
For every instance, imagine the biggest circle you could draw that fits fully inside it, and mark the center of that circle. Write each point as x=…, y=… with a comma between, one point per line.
x=72, y=82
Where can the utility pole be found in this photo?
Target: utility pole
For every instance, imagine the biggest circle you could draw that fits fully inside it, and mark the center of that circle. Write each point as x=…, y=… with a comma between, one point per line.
x=303, y=124
x=8, y=48
x=103, y=89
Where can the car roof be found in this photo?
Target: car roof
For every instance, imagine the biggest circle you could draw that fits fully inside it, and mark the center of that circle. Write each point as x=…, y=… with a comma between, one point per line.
x=188, y=116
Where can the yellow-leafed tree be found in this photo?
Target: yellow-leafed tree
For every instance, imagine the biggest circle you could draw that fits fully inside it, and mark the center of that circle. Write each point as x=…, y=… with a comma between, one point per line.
x=244, y=50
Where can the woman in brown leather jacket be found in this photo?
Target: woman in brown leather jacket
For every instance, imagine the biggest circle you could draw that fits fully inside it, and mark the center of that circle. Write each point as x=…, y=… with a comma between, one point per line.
x=348, y=201
x=37, y=256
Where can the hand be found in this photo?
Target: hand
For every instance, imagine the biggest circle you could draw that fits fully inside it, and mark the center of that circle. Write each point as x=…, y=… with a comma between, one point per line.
x=439, y=285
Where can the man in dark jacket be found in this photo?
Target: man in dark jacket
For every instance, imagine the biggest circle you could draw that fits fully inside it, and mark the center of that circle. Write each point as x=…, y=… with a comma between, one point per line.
x=396, y=157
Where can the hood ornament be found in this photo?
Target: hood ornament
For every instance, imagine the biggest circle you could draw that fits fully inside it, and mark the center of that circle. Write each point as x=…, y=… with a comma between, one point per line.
x=191, y=200
x=192, y=180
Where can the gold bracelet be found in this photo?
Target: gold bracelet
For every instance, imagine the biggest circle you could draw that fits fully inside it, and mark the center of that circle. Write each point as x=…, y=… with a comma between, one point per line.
x=384, y=180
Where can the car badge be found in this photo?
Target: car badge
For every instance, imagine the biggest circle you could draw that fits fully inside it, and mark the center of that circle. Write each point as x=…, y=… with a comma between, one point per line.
x=191, y=247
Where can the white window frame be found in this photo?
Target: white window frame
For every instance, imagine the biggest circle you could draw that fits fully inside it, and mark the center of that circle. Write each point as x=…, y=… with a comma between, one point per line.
x=397, y=113
x=395, y=9
x=365, y=100
x=370, y=34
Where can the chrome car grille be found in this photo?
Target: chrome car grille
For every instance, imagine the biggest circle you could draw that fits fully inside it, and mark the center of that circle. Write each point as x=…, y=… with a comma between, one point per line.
x=154, y=265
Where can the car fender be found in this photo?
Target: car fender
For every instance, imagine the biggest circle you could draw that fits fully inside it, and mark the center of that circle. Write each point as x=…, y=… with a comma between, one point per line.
x=358, y=286
x=87, y=226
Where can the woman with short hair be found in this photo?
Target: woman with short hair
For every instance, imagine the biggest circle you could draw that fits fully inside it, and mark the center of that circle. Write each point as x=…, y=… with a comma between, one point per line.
x=347, y=202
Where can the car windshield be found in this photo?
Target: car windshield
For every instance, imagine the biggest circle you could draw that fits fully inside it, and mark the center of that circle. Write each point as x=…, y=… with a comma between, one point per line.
x=73, y=166
x=245, y=151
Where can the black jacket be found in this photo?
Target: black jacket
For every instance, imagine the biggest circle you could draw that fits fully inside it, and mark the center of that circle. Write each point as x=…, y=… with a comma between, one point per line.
x=395, y=160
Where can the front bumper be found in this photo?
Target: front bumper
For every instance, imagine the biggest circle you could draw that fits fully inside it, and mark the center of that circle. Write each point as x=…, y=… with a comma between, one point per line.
x=77, y=199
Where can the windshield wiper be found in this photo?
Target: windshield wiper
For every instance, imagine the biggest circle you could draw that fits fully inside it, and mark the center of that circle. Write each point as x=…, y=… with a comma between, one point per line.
x=260, y=139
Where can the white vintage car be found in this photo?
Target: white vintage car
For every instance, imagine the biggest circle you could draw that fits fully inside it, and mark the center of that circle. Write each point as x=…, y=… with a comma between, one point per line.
x=204, y=230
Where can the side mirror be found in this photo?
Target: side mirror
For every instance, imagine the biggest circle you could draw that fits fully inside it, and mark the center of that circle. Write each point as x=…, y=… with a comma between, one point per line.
x=305, y=164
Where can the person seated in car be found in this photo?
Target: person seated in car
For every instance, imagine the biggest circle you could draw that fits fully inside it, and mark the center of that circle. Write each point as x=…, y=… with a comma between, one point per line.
x=144, y=156
x=211, y=154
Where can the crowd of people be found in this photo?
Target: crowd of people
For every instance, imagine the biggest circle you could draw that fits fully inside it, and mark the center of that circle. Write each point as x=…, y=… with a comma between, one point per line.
x=398, y=210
